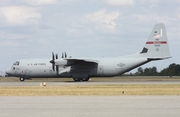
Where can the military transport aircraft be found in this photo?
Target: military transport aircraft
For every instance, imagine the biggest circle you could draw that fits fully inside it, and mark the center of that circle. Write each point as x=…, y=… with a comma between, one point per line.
x=81, y=69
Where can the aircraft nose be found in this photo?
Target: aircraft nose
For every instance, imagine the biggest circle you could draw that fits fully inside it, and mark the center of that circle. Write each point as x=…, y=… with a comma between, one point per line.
x=8, y=71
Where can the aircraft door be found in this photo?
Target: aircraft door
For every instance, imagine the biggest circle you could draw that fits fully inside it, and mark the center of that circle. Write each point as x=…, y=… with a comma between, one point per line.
x=27, y=73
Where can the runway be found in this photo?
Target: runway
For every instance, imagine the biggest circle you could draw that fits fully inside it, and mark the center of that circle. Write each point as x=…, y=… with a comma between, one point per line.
x=84, y=83
x=90, y=106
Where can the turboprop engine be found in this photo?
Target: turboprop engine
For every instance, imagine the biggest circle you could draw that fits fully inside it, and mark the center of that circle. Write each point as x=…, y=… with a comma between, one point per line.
x=59, y=62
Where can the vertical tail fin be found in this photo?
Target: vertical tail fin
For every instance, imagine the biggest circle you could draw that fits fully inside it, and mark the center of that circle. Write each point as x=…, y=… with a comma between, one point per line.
x=157, y=45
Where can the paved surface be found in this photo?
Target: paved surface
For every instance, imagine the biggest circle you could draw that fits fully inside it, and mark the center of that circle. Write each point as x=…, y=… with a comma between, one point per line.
x=90, y=106
x=84, y=83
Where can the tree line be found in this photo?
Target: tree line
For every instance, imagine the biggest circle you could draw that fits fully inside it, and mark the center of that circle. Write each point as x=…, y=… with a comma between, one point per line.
x=172, y=70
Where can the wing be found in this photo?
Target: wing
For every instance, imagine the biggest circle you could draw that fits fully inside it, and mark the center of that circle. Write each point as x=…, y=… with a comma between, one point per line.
x=79, y=60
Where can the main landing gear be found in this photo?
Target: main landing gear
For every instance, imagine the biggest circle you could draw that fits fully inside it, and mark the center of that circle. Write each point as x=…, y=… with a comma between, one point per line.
x=81, y=79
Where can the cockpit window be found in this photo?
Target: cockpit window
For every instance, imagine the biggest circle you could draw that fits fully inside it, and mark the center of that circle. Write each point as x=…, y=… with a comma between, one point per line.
x=16, y=63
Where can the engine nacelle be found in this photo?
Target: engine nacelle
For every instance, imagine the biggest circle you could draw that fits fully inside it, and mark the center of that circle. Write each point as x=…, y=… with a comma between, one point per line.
x=63, y=62
x=65, y=71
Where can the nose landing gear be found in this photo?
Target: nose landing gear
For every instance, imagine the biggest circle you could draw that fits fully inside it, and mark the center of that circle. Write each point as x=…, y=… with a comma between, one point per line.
x=21, y=79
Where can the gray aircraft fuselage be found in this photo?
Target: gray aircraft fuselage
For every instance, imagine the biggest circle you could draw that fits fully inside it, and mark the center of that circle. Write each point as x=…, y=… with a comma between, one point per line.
x=39, y=68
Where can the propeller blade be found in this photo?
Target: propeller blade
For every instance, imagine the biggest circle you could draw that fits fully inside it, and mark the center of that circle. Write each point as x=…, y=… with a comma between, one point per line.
x=65, y=55
x=53, y=66
x=53, y=56
x=62, y=55
x=56, y=56
x=57, y=69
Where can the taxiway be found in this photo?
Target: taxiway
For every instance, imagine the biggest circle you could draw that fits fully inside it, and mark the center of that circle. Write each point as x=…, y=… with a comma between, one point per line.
x=90, y=106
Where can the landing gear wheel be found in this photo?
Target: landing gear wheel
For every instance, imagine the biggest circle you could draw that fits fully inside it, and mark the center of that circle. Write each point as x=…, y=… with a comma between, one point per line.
x=77, y=79
x=21, y=79
x=85, y=79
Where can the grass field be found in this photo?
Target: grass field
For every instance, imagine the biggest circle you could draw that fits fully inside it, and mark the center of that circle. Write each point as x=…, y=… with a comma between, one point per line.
x=100, y=90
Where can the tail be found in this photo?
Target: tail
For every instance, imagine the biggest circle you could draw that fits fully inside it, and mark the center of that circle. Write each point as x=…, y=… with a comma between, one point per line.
x=156, y=48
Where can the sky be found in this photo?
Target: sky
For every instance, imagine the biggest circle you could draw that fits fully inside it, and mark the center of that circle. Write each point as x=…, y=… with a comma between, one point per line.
x=84, y=28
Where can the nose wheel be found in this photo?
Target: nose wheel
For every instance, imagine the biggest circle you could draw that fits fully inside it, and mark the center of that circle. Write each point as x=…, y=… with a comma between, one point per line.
x=21, y=79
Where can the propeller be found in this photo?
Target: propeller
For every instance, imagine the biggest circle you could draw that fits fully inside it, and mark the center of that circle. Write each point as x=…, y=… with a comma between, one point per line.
x=64, y=55
x=52, y=61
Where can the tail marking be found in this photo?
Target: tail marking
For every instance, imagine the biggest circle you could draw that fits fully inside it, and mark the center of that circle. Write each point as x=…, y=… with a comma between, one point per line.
x=156, y=42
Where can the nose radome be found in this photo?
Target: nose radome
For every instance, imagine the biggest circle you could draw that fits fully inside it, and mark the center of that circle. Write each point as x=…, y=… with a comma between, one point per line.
x=8, y=71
